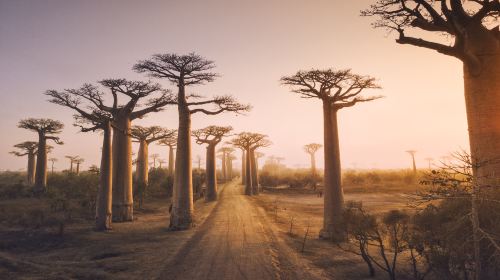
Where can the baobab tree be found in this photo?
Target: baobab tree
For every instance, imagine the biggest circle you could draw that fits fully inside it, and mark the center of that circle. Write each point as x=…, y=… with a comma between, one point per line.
x=145, y=136
x=412, y=154
x=337, y=89
x=72, y=160
x=224, y=153
x=155, y=157
x=122, y=116
x=78, y=161
x=161, y=162
x=243, y=165
x=46, y=129
x=211, y=135
x=186, y=70
x=248, y=142
x=260, y=142
x=85, y=101
x=472, y=27
x=52, y=161
x=429, y=160
x=28, y=148
x=170, y=142
x=230, y=158
x=311, y=150
x=257, y=155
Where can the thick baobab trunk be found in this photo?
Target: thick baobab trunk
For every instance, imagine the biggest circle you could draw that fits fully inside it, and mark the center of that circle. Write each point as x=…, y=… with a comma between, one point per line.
x=333, y=193
x=142, y=165
x=70, y=165
x=123, y=203
x=171, y=160
x=182, y=207
x=243, y=167
x=211, y=174
x=104, y=194
x=41, y=165
x=77, y=168
x=248, y=173
x=482, y=99
x=31, y=167
x=224, y=167
x=255, y=185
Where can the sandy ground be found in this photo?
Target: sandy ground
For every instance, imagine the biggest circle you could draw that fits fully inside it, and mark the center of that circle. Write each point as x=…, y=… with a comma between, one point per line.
x=297, y=217
x=237, y=237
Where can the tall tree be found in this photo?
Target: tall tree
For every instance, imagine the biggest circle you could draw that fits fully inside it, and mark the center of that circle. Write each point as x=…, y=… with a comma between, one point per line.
x=257, y=155
x=337, y=89
x=211, y=135
x=230, y=159
x=78, y=161
x=224, y=154
x=52, y=161
x=260, y=141
x=146, y=136
x=311, y=150
x=475, y=36
x=413, y=164
x=89, y=117
x=46, y=129
x=186, y=70
x=72, y=160
x=28, y=148
x=248, y=142
x=170, y=142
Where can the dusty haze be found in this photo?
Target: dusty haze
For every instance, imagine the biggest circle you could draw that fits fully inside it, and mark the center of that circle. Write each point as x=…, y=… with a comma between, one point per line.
x=61, y=44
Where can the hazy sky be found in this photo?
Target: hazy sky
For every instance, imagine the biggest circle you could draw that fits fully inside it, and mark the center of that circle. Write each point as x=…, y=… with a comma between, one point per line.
x=57, y=44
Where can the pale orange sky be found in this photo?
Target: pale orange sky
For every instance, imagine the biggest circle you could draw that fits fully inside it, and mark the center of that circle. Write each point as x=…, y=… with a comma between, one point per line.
x=62, y=44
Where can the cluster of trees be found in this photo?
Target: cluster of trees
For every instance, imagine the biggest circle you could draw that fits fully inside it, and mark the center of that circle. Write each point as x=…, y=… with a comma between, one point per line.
x=114, y=119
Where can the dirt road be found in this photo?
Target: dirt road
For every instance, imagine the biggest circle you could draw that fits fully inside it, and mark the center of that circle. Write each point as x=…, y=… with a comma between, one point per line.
x=235, y=242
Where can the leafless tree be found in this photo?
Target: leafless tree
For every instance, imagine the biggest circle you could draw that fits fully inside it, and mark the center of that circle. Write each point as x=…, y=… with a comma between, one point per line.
x=412, y=154
x=211, y=135
x=78, y=161
x=121, y=117
x=170, y=143
x=72, y=160
x=47, y=129
x=28, y=148
x=86, y=101
x=146, y=136
x=472, y=35
x=311, y=150
x=429, y=160
x=248, y=142
x=161, y=162
x=337, y=89
x=52, y=161
x=224, y=154
x=261, y=143
x=182, y=71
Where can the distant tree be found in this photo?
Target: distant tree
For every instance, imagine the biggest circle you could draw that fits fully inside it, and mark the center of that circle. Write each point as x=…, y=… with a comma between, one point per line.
x=46, y=129
x=52, y=160
x=211, y=135
x=230, y=158
x=94, y=169
x=248, y=142
x=170, y=143
x=224, y=154
x=412, y=154
x=337, y=89
x=262, y=142
x=258, y=155
x=186, y=70
x=429, y=160
x=72, y=160
x=311, y=150
x=471, y=34
x=78, y=161
x=161, y=162
x=146, y=136
x=121, y=117
x=28, y=148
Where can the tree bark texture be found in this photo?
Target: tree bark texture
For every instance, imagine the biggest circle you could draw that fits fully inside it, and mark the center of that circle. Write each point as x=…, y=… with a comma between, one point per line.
x=104, y=194
x=123, y=202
